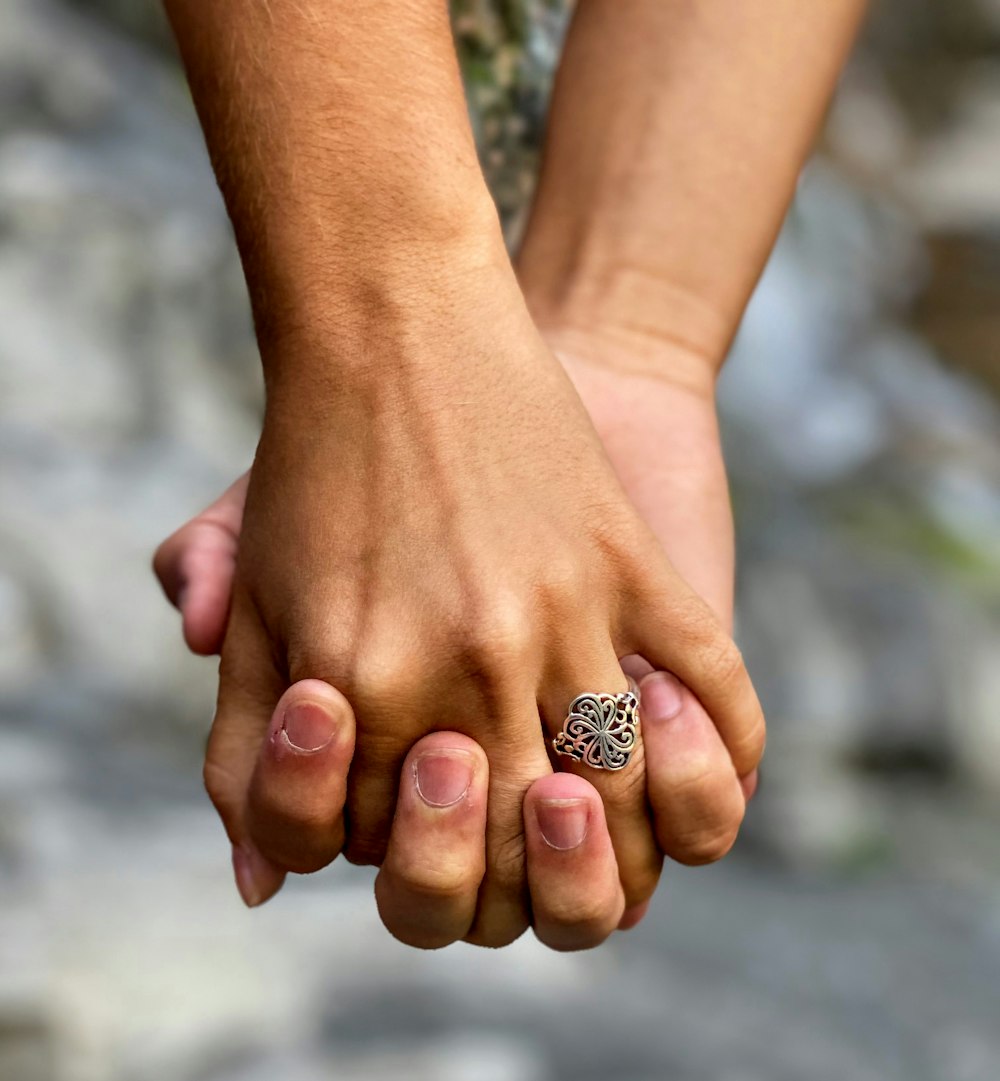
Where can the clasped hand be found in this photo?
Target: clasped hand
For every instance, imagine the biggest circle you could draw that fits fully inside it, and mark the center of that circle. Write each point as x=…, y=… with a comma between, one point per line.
x=436, y=556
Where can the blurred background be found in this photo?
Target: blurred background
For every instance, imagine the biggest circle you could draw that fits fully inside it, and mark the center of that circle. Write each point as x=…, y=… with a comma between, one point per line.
x=855, y=933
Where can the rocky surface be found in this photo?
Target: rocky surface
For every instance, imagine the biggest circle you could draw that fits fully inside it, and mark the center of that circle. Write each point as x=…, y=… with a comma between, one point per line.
x=855, y=936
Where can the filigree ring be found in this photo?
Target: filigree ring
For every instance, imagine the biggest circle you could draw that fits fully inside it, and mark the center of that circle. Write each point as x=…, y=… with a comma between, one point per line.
x=601, y=729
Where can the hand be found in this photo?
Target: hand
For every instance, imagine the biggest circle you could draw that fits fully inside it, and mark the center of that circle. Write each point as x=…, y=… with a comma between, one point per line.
x=436, y=852
x=668, y=458
x=674, y=473
x=417, y=543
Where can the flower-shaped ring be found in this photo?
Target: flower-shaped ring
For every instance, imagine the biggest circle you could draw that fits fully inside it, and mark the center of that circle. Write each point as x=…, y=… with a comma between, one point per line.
x=601, y=730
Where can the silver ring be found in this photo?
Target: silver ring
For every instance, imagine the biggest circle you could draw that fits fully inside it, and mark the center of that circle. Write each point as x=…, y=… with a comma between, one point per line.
x=601, y=730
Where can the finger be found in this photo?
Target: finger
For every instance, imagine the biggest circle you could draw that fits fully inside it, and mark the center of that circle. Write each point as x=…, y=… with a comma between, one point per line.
x=633, y=916
x=507, y=712
x=634, y=666
x=622, y=791
x=502, y=913
x=698, y=803
x=390, y=702
x=638, y=669
x=195, y=567
x=248, y=689
x=576, y=897
x=295, y=809
x=427, y=888
x=504, y=910
x=750, y=783
x=675, y=631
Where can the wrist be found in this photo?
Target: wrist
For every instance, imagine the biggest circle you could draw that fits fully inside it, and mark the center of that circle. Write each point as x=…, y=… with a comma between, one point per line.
x=665, y=337
x=320, y=308
x=395, y=324
x=649, y=323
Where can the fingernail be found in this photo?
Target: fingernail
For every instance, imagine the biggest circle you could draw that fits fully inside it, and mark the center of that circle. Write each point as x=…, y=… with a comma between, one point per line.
x=443, y=777
x=307, y=727
x=257, y=879
x=563, y=822
x=662, y=697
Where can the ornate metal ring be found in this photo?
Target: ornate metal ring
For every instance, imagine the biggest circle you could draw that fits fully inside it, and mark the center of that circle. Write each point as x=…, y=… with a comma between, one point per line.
x=601, y=729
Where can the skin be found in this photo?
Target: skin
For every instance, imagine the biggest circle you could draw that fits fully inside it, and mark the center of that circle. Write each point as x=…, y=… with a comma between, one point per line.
x=575, y=904
x=377, y=442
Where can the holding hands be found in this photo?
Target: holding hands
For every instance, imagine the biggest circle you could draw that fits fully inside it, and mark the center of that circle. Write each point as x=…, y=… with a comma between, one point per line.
x=448, y=870
x=449, y=531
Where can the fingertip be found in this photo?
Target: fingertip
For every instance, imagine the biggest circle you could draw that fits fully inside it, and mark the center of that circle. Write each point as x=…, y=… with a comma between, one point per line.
x=257, y=878
x=296, y=794
x=203, y=620
x=635, y=666
x=444, y=770
x=429, y=882
x=166, y=567
x=564, y=811
x=750, y=784
x=577, y=897
x=633, y=916
x=692, y=785
x=311, y=697
x=195, y=568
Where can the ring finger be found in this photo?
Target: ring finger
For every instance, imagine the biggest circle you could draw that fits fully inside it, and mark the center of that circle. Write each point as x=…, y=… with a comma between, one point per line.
x=622, y=791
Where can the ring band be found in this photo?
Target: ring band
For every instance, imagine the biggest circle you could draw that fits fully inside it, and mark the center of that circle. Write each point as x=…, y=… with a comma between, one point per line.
x=601, y=730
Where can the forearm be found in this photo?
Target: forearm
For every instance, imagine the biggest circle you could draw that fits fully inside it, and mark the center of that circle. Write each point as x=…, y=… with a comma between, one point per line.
x=339, y=135
x=676, y=135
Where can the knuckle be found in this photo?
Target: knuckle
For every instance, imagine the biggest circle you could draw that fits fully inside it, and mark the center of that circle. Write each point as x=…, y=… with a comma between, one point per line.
x=587, y=916
x=722, y=660
x=747, y=747
x=565, y=582
x=406, y=922
x=497, y=936
x=709, y=844
x=300, y=825
x=501, y=633
x=436, y=882
x=385, y=676
x=688, y=616
x=699, y=785
x=301, y=858
x=417, y=937
x=495, y=652
x=221, y=786
x=576, y=927
x=622, y=541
